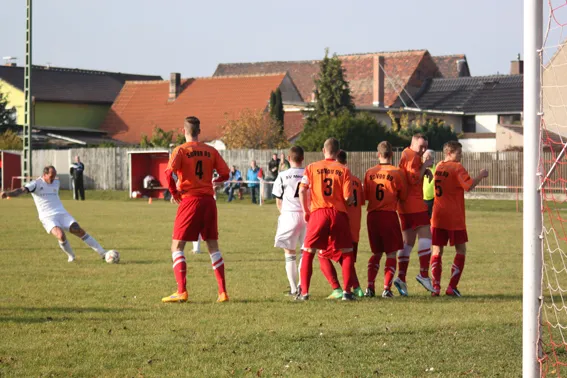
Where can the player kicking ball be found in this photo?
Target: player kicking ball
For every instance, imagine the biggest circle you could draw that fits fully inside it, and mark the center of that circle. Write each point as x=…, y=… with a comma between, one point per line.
x=193, y=163
x=384, y=186
x=55, y=219
x=291, y=225
x=449, y=225
x=328, y=185
x=414, y=217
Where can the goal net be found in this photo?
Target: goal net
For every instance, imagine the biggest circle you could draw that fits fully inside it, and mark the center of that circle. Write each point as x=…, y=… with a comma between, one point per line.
x=553, y=171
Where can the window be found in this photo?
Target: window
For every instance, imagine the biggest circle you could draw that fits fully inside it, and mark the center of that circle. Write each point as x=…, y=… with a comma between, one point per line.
x=469, y=124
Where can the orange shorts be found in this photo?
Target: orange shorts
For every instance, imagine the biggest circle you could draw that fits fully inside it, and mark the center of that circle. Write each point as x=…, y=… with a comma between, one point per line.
x=441, y=236
x=196, y=215
x=414, y=220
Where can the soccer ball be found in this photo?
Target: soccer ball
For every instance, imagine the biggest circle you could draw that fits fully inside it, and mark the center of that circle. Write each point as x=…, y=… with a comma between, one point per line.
x=112, y=257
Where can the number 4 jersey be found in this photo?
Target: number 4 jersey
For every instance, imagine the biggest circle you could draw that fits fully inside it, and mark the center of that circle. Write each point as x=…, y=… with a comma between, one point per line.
x=194, y=163
x=286, y=188
x=329, y=184
x=384, y=185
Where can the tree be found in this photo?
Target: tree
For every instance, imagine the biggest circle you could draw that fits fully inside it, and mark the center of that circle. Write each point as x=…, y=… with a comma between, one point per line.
x=7, y=115
x=253, y=130
x=437, y=132
x=332, y=93
x=160, y=138
x=360, y=132
x=9, y=140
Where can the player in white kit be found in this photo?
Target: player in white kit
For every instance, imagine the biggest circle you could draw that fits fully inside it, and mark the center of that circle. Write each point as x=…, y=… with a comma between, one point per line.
x=52, y=214
x=291, y=225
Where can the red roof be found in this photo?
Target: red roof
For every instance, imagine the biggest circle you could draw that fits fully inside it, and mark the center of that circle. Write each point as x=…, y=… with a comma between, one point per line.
x=142, y=105
x=294, y=123
x=448, y=65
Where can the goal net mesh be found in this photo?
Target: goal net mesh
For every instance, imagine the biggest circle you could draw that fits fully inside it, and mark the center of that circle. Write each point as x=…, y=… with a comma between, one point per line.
x=553, y=171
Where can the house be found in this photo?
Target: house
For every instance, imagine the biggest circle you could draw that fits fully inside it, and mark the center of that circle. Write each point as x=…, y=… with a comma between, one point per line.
x=143, y=105
x=65, y=97
x=554, y=88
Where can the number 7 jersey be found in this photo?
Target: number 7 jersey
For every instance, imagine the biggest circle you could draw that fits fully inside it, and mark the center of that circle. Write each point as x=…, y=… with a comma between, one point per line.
x=194, y=163
x=286, y=188
x=329, y=184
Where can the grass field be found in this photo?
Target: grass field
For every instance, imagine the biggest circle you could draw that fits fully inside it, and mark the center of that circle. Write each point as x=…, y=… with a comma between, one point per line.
x=92, y=319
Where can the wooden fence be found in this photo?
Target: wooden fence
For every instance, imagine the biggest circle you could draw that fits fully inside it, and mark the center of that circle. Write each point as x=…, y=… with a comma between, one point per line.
x=107, y=168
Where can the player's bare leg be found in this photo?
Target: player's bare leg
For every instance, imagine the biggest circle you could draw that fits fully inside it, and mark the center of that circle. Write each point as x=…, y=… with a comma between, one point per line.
x=291, y=270
x=436, y=269
x=179, y=271
x=457, y=270
x=409, y=237
x=424, y=253
x=76, y=230
x=218, y=267
x=63, y=243
x=305, y=272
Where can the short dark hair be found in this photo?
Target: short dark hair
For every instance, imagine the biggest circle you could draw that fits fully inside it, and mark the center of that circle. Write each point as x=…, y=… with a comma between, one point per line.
x=192, y=126
x=342, y=157
x=47, y=168
x=332, y=146
x=417, y=136
x=451, y=146
x=296, y=154
x=385, y=149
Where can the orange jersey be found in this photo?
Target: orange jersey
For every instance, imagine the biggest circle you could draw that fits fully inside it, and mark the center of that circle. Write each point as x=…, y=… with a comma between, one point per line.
x=193, y=163
x=329, y=184
x=354, y=211
x=451, y=181
x=411, y=164
x=384, y=186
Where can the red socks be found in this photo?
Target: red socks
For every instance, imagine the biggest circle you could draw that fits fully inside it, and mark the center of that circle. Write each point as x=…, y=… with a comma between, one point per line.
x=374, y=267
x=355, y=282
x=306, y=271
x=436, y=269
x=457, y=269
x=424, y=254
x=218, y=267
x=329, y=272
x=389, y=272
x=403, y=261
x=348, y=271
x=180, y=271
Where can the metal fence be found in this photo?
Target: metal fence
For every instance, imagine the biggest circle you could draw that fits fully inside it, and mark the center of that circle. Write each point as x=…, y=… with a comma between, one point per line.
x=107, y=168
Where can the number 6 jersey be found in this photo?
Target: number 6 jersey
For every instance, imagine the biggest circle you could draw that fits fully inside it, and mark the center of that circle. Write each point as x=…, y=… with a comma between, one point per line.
x=384, y=185
x=286, y=188
x=329, y=184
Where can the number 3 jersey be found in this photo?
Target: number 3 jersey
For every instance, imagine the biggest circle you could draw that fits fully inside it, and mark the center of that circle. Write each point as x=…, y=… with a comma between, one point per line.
x=384, y=185
x=329, y=184
x=286, y=188
x=193, y=164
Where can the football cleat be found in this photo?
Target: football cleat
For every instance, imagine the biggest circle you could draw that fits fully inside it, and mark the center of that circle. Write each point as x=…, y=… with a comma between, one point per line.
x=348, y=296
x=175, y=298
x=401, y=286
x=425, y=282
x=336, y=294
x=387, y=294
x=370, y=293
x=223, y=297
x=452, y=291
x=300, y=297
x=436, y=291
x=70, y=258
x=358, y=292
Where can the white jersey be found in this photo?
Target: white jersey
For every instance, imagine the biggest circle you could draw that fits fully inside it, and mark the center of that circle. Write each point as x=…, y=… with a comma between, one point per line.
x=286, y=188
x=46, y=197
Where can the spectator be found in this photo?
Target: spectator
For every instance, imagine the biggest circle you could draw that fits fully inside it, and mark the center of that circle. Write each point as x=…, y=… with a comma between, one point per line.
x=231, y=185
x=76, y=171
x=429, y=184
x=273, y=166
x=253, y=176
x=284, y=164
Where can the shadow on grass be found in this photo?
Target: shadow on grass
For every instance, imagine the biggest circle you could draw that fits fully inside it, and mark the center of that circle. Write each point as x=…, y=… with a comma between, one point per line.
x=76, y=310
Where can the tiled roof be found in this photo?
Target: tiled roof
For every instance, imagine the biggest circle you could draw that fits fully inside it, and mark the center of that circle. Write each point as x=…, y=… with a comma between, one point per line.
x=401, y=70
x=448, y=65
x=141, y=106
x=294, y=123
x=71, y=85
x=473, y=95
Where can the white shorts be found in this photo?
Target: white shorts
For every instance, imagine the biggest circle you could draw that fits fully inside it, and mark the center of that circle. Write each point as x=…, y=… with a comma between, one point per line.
x=62, y=221
x=291, y=230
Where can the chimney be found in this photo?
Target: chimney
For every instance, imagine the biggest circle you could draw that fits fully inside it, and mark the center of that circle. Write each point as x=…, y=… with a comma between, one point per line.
x=174, y=86
x=517, y=67
x=462, y=70
x=10, y=61
x=378, y=81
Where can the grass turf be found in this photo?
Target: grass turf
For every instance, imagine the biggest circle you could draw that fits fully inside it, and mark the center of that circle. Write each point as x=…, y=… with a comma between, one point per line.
x=92, y=319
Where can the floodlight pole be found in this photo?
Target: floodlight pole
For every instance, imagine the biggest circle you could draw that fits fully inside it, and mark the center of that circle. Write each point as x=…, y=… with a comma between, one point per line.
x=532, y=217
x=28, y=115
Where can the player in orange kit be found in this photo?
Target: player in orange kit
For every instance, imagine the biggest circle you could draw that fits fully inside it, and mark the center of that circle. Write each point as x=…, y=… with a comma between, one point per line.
x=449, y=225
x=193, y=163
x=384, y=185
x=354, y=212
x=414, y=217
x=329, y=185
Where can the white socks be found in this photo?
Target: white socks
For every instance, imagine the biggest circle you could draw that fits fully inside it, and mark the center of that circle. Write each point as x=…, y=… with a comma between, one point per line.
x=216, y=259
x=291, y=270
x=91, y=242
x=404, y=254
x=66, y=247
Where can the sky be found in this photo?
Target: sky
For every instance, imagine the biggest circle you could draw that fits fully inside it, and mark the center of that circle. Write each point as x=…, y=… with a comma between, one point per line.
x=192, y=37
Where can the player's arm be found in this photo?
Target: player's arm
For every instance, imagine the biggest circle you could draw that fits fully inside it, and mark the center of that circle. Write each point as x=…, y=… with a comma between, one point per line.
x=468, y=183
x=304, y=194
x=347, y=188
x=279, y=204
x=222, y=169
x=278, y=191
x=173, y=166
x=14, y=193
x=402, y=187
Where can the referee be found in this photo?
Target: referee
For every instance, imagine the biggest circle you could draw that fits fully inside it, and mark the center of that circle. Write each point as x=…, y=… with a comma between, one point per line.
x=77, y=169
